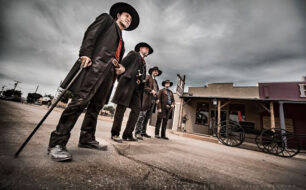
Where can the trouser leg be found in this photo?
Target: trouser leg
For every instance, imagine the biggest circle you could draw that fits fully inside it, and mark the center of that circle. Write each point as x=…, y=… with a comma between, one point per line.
x=119, y=113
x=158, y=122
x=164, y=127
x=145, y=121
x=135, y=109
x=68, y=119
x=89, y=124
x=139, y=123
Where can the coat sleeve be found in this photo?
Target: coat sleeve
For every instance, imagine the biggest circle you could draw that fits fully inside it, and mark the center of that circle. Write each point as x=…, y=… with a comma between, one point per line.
x=129, y=62
x=159, y=106
x=147, y=87
x=92, y=33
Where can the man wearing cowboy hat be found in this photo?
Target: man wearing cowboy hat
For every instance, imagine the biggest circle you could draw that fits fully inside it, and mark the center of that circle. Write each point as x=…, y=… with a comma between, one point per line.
x=129, y=91
x=148, y=103
x=102, y=48
x=164, y=107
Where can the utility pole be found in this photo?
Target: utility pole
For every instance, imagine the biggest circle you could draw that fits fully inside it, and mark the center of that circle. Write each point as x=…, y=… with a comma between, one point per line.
x=36, y=88
x=57, y=90
x=2, y=89
x=15, y=85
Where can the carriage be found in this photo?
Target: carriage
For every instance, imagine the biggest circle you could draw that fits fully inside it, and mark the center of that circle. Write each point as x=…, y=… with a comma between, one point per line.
x=274, y=141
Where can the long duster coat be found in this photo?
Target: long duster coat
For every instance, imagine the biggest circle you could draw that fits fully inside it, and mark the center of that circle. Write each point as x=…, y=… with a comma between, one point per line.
x=127, y=81
x=147, y=95
x=100, y=43
x=163, y=102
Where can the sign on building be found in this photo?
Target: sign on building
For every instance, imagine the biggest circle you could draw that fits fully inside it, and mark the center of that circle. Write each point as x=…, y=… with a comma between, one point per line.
x=302, y=90
x=180, y=85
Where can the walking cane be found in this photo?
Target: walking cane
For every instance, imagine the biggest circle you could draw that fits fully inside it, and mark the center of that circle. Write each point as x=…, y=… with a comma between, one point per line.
x=47, y=114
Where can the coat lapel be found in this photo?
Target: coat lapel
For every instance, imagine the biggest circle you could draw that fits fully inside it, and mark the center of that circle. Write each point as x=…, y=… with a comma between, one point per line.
x=119, y=32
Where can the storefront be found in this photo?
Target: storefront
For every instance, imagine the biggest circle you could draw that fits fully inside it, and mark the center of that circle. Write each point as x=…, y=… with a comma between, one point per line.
x=290, y=98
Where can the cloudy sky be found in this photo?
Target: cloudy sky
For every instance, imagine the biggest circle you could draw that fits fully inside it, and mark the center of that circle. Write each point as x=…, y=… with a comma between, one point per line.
x=240, y=41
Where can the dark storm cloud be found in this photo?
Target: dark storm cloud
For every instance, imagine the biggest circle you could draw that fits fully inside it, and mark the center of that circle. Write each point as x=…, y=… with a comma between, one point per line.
x=241, y=41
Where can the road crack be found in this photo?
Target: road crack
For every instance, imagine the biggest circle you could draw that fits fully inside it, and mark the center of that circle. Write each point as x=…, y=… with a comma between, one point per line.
x=180, y=178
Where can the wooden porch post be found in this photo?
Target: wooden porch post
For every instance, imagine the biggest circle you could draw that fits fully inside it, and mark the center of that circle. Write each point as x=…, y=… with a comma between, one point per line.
x=272, y=117
x=219, y=115
x=180, y=116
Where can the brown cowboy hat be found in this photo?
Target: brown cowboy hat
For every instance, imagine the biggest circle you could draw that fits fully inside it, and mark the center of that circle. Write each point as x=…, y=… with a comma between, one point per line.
x=124, y=7
x=155, y=68
x=143, y=44
x=163, y=83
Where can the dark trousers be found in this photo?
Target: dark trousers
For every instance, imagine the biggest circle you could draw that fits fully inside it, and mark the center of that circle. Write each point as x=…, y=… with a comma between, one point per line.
x=119, y=114
x=141, y=124
x=164, y=122
x=94, y=102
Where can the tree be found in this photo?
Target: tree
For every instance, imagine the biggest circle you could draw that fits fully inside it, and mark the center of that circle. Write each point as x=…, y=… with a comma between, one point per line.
x=111, y=109
x=49, y=95
x=33, y=97
x=66, y=96
x=12, y=92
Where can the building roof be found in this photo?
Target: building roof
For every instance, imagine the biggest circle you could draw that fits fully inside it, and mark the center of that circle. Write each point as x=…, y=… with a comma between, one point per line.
x=254, y=99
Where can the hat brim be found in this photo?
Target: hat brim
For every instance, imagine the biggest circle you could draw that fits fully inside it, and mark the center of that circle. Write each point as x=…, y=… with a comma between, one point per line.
x=143, y=44
x=163, y=83
x=152, y=69
x=124, y=7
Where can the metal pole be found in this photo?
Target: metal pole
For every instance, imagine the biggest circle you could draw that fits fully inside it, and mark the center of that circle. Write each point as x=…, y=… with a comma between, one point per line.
x=47, y=114
x=36, y=89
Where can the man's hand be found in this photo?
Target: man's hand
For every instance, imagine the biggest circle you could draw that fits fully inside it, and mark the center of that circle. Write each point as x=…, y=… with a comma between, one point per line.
x=159, y=110
x=172, y=106
x=157, y=101
x=153, y=92
x=85, y=61
x=120, y=70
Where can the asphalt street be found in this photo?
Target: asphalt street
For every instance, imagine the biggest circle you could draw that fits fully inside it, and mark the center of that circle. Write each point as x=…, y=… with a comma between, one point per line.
x=180, y=163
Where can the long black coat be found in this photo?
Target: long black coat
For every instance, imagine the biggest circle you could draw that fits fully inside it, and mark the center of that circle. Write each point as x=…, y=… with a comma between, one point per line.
x=100, y=43
x=147, y=95
x=163, y=102
x=127, y=81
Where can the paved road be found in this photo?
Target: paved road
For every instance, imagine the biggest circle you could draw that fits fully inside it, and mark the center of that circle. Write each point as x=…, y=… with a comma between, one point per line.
x=181, y=163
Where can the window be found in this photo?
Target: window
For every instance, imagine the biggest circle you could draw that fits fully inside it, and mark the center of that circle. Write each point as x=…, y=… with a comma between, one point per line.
x=237, y=112
x=202, y=113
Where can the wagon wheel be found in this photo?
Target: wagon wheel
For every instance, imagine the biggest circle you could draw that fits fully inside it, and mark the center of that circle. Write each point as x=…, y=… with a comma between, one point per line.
x=231, y=134
x=279, y=142
x=265, y=140
x=291, y=146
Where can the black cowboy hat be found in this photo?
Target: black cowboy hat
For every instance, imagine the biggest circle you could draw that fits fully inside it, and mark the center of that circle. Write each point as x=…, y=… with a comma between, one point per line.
x=163, y=83
x=143, y=44
x=155, y=68
x=124, y=7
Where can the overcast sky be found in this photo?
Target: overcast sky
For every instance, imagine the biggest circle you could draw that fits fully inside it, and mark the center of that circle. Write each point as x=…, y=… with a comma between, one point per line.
x=240, y=41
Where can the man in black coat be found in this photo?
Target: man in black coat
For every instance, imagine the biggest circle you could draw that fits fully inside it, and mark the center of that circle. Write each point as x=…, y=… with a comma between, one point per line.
x=165, y=107
x=129, y=91
x=148, y=103
x=102, y=48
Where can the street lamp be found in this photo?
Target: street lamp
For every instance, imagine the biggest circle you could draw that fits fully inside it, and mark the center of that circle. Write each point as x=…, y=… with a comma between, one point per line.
x=215, y=102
